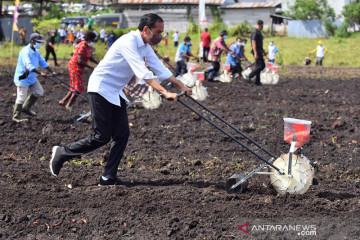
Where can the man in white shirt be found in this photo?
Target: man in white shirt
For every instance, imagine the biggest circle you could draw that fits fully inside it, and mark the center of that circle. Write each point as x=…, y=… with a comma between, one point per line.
x=128, y=56
x=176, y=38
x=272, y=50
x=102, y=35
x=320, y=50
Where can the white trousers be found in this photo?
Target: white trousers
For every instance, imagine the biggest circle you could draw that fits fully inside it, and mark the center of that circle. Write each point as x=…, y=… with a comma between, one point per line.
x=22, y=91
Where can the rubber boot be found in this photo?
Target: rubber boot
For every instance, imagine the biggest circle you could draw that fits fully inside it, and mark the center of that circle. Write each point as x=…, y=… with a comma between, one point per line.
x=17, y=113
x=28, y=104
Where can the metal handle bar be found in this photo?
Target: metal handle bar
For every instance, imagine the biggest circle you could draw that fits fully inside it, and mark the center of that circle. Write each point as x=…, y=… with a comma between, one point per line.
x=62, y=83
x=230, y=125
x=226, y=133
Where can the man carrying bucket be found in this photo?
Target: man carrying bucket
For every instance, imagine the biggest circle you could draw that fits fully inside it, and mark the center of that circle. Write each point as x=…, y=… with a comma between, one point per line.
x=321, y=50
x=127, y=57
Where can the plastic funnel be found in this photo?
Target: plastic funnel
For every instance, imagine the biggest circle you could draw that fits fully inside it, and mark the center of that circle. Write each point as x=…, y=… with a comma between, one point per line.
x=191, y=67
x=299, y=128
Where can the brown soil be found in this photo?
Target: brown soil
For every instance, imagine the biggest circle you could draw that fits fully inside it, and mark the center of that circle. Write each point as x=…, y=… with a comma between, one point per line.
x=180, y=165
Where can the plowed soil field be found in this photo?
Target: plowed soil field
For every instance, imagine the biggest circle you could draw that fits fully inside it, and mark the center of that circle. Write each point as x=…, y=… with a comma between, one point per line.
x=180, y=164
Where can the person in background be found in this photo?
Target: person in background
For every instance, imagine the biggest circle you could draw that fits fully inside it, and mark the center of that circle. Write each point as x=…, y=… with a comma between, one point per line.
x=25, y=77
x=102, y=35
x=71, y=37
x=96, y=34
x=272, y=50
x=258, y=52
x=110, y=39
x=78, y=62
x=165, y=37
x=234, y=60
x=62, y=33
x=90, y=23
x=182, y=54
x=22, y=33
x=216, y=49
x=321, y=50
x=80, y=35
x=176, y=38
x=127, y=58
x=206, y=40
x=50, y=48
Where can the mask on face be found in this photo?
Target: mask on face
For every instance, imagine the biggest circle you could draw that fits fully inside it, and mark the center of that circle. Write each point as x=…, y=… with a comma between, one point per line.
x=238, y=44
x=271, y=44
x=90, y=44
x=244, y=44
x=224, y=37
x=155, y=39
x=37, y=45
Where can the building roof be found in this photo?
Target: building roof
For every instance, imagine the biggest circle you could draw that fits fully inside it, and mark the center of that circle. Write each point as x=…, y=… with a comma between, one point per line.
x=211, y=2
x=253, y=5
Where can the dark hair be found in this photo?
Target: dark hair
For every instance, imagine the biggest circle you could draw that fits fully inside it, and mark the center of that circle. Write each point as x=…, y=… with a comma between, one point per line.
x=244, y=40
x=187, y=39
x=89, y=36
x=206, y=29
x=260, y=22
x=239, y=38
x=149, y=20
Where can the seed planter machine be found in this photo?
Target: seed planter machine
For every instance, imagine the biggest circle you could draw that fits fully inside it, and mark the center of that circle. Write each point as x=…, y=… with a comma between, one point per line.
x=289, y=173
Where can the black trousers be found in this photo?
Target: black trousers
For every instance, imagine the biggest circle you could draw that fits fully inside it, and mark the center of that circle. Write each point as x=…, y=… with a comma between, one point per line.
x=206, y=51
x=180, y=68
x=259, y=66
x=109, y=122
x=52, y=51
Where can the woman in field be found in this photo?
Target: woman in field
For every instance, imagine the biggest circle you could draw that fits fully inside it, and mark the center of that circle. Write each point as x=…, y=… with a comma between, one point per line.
x=78, y=62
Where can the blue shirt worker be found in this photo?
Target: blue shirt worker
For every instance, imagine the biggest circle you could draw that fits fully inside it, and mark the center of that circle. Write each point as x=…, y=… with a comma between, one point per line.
x=234, y=60
x=127, y=58
x=183, y=53
x=25, y=77
x=110, y=39
x=272, y=50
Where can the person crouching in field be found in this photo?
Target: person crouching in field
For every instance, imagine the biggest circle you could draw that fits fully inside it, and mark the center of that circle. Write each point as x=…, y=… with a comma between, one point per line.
x=25, y=77
x=127, y=57
x=78, y=62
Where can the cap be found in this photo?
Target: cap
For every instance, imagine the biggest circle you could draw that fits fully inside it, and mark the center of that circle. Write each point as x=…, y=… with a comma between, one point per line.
x=36, y=37
x=223, y=32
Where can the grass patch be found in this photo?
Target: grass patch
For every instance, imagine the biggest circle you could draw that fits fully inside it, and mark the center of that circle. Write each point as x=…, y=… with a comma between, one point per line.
x=292, y=51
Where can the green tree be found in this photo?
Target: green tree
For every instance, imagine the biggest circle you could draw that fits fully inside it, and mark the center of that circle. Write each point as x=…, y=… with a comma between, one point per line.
x=351, y=13
x=311, y=9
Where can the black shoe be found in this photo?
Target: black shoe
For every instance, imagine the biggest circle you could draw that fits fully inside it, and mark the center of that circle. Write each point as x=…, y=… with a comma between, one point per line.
x=56, y=161
x=116, y=181
x=248, y=79
x=57, y=65
x=258, y=84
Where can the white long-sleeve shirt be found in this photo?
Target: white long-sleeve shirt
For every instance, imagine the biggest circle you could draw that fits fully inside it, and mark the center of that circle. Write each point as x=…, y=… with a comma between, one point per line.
x=122, y=61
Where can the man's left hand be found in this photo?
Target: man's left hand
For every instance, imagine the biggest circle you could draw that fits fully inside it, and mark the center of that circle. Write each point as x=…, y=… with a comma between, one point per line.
x=186, y=89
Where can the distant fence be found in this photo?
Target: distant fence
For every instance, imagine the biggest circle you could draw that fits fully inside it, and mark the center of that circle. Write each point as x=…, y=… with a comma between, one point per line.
x=6, y=28
x=306, y=29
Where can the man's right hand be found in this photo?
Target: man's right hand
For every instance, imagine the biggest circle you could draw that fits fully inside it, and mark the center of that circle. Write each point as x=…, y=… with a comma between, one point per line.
x=44, y=75
x=256, y=56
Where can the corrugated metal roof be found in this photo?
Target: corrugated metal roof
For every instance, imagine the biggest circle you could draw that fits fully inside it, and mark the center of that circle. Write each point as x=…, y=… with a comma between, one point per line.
x=212, y=2
x=253, y=5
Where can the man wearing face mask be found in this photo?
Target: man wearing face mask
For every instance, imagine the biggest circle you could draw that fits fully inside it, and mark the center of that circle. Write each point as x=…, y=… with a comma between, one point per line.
x=234, y=60
x=25, y=77
x=127, y=58
x=82, y=54
x=183, y=53
x=216, y=49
